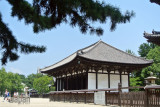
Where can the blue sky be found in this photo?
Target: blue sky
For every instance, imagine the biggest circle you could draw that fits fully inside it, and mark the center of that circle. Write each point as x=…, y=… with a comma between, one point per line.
x=64, y=40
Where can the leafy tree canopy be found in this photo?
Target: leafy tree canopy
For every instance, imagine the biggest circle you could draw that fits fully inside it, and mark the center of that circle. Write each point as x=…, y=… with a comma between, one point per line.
x=130, y=52
x=135, y=79
x=155, y=67
x=10, y=81
x=42, y=84
x=30, y=79
x=145, y=48
x=47, y=14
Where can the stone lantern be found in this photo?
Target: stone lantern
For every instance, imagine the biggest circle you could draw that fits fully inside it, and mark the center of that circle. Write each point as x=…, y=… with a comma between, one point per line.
x=151, y=80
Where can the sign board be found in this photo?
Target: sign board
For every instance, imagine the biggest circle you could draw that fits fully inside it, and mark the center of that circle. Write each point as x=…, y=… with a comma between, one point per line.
x=99, y=98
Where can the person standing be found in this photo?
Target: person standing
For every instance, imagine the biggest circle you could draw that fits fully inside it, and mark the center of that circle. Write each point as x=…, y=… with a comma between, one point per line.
x=6, y=94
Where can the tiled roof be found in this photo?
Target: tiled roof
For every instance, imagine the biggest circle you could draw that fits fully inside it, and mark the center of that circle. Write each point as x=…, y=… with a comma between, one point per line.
x=106, y=53
x=154, y=37
x=101, y=51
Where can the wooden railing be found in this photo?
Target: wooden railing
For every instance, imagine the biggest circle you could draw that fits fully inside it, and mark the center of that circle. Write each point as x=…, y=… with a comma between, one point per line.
x=113, y=96
x=39, y=96
x=86, y=96
x=20, y=99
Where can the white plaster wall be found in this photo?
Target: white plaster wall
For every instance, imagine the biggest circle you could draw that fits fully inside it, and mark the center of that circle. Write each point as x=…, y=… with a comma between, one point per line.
x=91, y=81
x=125, y=82
x=114, y=80
x=102, y=81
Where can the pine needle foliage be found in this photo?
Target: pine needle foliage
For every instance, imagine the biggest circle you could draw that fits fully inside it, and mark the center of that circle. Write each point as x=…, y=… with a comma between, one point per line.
x=47, y=14
x=155, y=1
x=10, y=46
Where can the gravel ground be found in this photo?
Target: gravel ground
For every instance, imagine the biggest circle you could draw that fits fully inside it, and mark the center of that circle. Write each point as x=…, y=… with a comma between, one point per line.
x=43, y=102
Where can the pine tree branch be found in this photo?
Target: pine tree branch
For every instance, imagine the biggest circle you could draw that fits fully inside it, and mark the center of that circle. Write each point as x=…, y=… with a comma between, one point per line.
x=47, y=14
x=10, y=46
x=155, y=1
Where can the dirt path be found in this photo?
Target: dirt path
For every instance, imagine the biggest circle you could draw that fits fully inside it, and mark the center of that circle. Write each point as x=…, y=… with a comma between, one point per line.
x=39, y=102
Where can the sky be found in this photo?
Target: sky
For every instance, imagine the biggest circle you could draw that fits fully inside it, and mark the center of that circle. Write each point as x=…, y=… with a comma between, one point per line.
x=65, y=40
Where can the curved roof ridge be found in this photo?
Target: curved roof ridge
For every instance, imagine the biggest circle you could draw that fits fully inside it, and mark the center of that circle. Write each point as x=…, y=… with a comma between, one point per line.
x=127, y=53
x=94, y=46
x=149, y=34
x=90, y=46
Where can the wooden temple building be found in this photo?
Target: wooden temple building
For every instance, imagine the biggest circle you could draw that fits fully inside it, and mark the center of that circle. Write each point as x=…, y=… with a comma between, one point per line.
x=154, y=37
x=97, y=66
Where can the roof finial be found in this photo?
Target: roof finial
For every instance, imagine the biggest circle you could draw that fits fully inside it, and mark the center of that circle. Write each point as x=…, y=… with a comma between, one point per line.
x=153, y=31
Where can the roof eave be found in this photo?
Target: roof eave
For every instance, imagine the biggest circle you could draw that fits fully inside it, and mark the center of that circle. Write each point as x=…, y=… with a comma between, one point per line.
x=118, y=63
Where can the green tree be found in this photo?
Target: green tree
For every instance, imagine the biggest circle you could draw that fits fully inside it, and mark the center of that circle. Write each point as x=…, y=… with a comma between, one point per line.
x=3, y=80
x=23, y=78
x=130, y=52
x=15, y=83
x=155, y=67
x=145, y=48
x=48, y=14
x=135, y=81
x=10, y=81
x=30, y=79
x=42, y=84
x=135, y=76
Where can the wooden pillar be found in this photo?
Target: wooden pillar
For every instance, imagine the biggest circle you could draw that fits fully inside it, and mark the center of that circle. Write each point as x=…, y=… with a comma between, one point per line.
x=96, y=79
x=119, y=92
x=60, y=82
x=109, y=79
x=128, y=79
x=56, y=84
x=71, y=82
x=66, y=82
x=86, y=87
x=120, y=74
x=81, y=81
x=77, y=81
